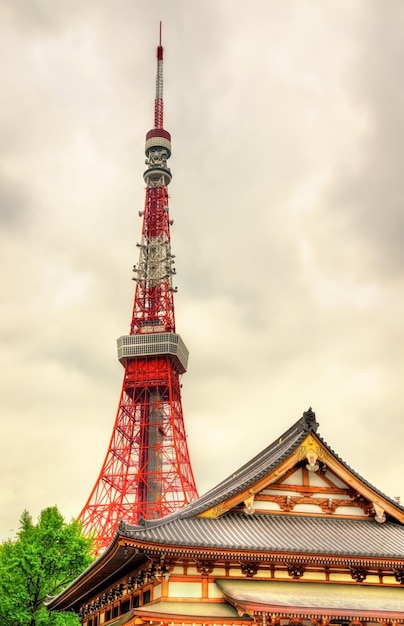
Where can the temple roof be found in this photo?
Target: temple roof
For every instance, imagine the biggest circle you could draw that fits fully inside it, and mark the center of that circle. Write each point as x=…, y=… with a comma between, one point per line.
x=278, y=534
x=308, y=599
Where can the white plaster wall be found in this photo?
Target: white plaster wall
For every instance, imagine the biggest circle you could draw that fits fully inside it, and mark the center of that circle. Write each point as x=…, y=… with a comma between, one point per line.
x=185, y=590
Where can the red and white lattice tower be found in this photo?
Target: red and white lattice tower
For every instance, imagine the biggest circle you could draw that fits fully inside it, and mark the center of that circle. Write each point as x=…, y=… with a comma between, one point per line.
x=147, y=471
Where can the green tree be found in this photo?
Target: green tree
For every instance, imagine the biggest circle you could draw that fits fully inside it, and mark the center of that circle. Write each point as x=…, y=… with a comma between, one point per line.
x=40, y=562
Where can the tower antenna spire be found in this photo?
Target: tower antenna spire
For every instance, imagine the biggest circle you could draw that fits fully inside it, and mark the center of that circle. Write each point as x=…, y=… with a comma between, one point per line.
x=147, y=471
x=158, y=102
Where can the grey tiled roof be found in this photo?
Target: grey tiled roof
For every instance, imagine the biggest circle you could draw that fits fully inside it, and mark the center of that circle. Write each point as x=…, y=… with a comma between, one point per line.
x=345, y=600
x=279, y=533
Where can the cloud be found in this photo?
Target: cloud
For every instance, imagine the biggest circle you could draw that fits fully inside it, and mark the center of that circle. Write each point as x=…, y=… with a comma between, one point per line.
x=365, y=194
x=14, y=209
x=286, y=120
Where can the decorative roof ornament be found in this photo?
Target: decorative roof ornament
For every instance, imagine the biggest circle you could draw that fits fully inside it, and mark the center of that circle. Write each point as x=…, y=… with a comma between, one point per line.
x=309, y=422
x=380, y=515
x=249, y=505
x=312, y=464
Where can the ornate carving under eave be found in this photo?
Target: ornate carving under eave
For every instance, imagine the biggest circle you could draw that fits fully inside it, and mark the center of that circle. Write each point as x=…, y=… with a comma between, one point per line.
x=399, y=575
x=327, y=505
x=159, y=566
x=106, y=598
x=241, y=610
x=294, y=570
x=204, y=567
x=249, y=505
x=249, y=569
x=366, y=506
x=380, y=515
x=358, y=574
x=153, y=570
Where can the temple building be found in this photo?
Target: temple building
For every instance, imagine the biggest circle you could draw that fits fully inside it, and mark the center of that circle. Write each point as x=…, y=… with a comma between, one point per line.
x=293, y=537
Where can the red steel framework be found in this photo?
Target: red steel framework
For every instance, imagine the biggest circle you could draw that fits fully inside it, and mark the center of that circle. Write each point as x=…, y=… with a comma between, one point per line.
x=147, y=471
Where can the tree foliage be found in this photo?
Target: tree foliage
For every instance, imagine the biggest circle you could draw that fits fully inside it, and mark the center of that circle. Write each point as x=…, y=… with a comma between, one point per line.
x=40, y=562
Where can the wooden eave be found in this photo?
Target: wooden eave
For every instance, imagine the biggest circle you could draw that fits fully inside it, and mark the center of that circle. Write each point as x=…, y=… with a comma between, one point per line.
x=253, y=608
x=112, y=565
x=324, y=454
x=210, y=610
x=150, y=549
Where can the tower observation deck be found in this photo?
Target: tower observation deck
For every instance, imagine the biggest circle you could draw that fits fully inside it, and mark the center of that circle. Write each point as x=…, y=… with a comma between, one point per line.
x=147, y=471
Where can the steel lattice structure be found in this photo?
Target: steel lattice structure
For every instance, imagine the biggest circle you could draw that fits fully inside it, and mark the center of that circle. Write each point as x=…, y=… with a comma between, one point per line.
x=147, y=471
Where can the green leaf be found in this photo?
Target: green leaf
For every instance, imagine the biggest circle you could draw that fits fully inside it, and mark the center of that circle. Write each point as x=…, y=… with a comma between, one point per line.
x=42, y=560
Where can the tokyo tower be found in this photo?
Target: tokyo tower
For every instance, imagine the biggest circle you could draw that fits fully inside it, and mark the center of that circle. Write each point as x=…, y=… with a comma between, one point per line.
x=147, y=471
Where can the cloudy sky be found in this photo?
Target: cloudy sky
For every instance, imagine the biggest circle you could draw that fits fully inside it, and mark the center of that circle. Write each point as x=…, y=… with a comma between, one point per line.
x=287, y=119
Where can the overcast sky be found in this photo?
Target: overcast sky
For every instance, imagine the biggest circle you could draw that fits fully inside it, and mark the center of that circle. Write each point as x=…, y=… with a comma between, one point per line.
x=287, y=121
